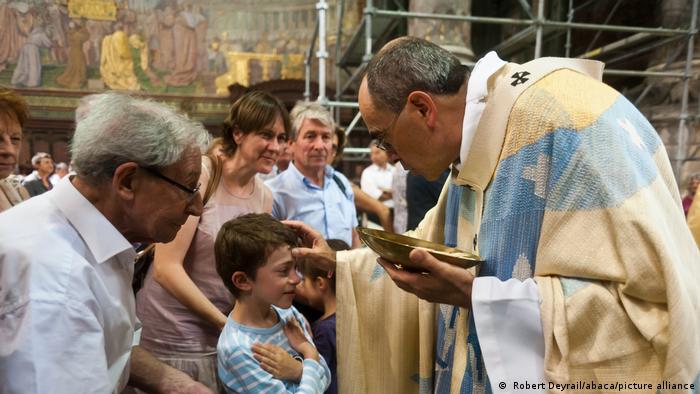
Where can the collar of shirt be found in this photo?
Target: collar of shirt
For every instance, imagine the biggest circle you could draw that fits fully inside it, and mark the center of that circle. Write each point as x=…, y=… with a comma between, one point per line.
x=477, y=91
x=100, y=236
x=387, y=168
x=327, y=176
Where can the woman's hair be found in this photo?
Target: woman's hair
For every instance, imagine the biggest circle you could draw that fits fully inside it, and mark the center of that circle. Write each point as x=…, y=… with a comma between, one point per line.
x=250, y=113
x=214, y=146
x=13, y=106
x=340, y=133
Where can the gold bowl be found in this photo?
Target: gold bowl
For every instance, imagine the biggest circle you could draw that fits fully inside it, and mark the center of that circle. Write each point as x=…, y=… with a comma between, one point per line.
x=395, y=248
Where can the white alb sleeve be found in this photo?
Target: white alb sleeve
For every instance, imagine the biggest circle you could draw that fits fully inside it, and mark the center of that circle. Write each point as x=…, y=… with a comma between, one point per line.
x=507, y=319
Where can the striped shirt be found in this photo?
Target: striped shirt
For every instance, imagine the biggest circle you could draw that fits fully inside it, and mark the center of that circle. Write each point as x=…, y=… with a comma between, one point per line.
x=241, y=373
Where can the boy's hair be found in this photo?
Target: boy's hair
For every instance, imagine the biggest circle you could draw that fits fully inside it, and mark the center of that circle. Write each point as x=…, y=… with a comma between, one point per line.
x=312, y=271
x=245, y=243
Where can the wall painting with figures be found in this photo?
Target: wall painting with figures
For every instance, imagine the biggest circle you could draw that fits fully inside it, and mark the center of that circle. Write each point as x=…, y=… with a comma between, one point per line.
x=160, y=47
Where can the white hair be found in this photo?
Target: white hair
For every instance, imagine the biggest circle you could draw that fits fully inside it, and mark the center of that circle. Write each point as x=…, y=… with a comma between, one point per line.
x=309, y=110
x=113, y=129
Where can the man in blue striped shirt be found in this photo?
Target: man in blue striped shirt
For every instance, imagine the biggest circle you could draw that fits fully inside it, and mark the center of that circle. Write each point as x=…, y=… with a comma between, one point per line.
x=253, y=258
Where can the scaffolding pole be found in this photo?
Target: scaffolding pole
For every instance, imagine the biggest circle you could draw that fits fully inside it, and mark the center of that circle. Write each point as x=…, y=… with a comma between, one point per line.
x=658, y=31
x=322, y=54
x=307, y=65
x=570, y=18
x=540, y=28
x=538, y=24
x=683, y=122
x=340, y=13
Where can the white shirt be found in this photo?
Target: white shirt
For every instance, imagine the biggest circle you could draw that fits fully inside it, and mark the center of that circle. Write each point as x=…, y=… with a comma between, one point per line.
x=54, y=179
x=376, y=180
x=67, y=313
x=506, y=314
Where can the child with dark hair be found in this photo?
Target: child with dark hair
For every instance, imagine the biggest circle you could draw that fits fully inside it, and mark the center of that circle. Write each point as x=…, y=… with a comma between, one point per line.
x=318, y=289
x=254, y=259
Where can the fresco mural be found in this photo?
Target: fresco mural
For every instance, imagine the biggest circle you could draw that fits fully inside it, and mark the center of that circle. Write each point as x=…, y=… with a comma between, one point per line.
x=183, y=47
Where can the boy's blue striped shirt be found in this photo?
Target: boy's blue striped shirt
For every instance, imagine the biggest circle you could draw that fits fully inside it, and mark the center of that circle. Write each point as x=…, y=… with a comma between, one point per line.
x=241, y=373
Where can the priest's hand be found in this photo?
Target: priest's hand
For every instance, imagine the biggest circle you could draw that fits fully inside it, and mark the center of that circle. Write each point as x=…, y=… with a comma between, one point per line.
x=314, y=248
x=439, y=283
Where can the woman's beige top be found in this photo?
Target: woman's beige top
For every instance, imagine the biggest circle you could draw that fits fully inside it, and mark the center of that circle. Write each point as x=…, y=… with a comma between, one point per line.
x=168, y=326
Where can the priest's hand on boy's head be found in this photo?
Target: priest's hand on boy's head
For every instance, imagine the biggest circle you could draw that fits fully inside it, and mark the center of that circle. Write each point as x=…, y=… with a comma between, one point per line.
x=314, y=248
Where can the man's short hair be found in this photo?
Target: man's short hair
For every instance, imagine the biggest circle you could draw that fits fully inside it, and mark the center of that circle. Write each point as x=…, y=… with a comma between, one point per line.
x=36, y=159
x=115, y=128
x=61, y=166
x=309, y=110
x=13, y=105
x=410, y=64
x=244, y=244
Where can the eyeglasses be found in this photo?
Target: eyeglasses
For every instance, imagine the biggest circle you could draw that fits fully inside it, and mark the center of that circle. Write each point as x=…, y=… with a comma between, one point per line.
x=191, y=193
x=380, y=136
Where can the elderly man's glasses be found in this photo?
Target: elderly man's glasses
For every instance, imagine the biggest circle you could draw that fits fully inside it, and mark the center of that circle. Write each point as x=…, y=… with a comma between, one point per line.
x=191, y=193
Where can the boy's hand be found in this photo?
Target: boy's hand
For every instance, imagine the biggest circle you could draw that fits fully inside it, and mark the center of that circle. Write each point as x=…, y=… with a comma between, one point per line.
x=276, y=361
x=315, y=248
x=298, y=341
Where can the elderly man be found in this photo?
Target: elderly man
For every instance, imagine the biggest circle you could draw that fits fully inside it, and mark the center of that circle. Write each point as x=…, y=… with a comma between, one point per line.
x=13, y=114
x=310, y=190
x=67, y=318
x=565, y=191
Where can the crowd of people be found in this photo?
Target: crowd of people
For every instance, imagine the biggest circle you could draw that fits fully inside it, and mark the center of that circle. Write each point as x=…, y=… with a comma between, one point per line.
x=588, y=273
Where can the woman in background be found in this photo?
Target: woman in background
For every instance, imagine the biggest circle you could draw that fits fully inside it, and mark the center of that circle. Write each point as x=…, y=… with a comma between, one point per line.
x=13, y=114
x=183, y=304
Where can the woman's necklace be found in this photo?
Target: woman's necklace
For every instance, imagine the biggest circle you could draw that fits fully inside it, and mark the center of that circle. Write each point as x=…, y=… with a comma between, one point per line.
x=244, y=192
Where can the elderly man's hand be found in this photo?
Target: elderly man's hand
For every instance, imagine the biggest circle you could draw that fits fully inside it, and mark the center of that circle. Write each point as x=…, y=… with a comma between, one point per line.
x=441, y=283
x=315, y=248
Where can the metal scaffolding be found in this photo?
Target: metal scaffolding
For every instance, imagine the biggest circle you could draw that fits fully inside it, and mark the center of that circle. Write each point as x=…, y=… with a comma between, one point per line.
x=377, y=25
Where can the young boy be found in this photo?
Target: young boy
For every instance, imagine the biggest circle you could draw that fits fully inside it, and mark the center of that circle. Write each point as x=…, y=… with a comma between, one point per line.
x=253, y=258
x=318, y=289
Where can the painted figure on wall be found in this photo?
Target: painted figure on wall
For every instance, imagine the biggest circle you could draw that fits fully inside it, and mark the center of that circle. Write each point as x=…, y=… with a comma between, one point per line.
x=140, y=54
x=57, y=27
x=201, y=34
x=11, y=39
x=185, y=35
x=15, y=25
x=116, y=63
x=97, y=30
x=75, y=75
x=165, y=48
x=181, y=46
x=28, y=71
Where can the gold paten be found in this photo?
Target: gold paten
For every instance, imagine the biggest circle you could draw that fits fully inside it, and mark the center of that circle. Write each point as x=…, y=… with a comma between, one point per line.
x=396, y=247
